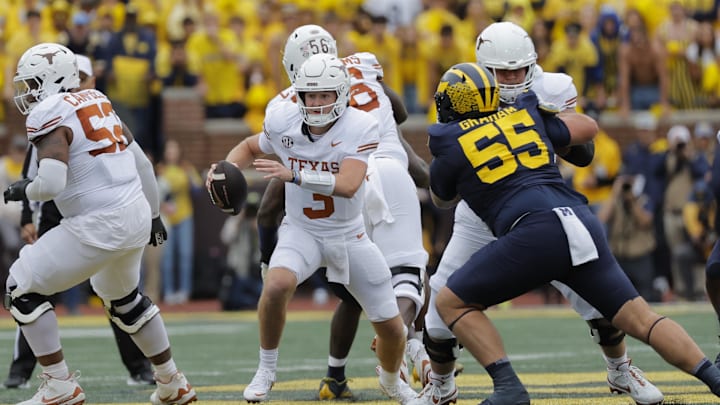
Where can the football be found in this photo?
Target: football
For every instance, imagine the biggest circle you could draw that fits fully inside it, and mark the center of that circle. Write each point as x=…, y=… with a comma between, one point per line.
x=228, y=188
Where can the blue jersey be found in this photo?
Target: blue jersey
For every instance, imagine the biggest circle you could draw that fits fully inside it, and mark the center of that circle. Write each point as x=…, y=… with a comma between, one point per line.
x=502, y=165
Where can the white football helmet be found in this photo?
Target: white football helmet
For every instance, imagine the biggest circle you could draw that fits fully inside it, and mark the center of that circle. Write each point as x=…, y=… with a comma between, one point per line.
x=305, y=41
x=44, y=70
x=322, y=72
x=505, y=45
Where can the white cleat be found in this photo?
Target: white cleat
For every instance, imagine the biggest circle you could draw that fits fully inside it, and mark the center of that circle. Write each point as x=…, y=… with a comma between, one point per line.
x=177, y=391
x=436, y=393
x=633, y=382
x=400, y=392
x=55, y=391
x=259, y=388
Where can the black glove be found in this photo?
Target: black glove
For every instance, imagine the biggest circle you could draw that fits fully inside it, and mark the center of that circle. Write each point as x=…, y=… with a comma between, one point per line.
x=158, y=234
x=16, y=191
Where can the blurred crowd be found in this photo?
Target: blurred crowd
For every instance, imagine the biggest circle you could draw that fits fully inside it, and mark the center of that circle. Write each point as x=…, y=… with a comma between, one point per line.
x=642, y=59
x=622, y=55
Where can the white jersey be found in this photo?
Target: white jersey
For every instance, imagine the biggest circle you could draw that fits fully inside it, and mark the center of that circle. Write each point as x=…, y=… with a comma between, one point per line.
x=555, y=88
x=101, y=172
x=367, y=94
x=353, y=136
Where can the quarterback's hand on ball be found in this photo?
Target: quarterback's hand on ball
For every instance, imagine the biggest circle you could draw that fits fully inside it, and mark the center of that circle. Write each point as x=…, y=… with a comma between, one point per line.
x=16, y=191
x=158, y=234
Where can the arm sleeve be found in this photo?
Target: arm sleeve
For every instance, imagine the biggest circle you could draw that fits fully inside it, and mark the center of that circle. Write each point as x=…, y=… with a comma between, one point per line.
x=147, y=178
x=581, y=155
x=439, y=172
x=51, y=179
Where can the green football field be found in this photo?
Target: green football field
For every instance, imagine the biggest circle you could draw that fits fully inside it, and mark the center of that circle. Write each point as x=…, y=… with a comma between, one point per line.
x=218, y=351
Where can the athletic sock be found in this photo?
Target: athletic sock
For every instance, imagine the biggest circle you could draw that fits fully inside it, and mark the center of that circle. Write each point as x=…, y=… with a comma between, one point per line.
x=59, y=370
x=706, y=372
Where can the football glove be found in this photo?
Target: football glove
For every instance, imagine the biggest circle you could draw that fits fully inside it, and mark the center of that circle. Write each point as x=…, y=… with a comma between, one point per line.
x=16, y=191
x=158, y=234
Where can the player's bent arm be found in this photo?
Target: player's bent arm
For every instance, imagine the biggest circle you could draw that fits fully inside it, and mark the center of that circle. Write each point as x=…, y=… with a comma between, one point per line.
x=52, y=154
x=580, y=155
x=243, y=153
x=582, y=128
x=145, y=171
x=350, y=177
x=444, y=204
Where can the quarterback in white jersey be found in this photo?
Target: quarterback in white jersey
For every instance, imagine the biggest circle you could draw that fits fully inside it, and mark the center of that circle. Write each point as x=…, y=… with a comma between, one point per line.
x=323, y=147
x=102, y=184
x=507, y=50
x=391, y=210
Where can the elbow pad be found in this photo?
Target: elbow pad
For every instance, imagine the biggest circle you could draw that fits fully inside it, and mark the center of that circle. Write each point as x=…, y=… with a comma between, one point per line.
x=581, y=155
x=50, y=180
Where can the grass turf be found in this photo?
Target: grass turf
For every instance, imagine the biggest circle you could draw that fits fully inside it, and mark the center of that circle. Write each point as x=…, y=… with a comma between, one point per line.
x=549, y=347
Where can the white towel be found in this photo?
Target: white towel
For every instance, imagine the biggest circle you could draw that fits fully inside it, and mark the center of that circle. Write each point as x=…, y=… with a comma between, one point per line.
x=581, y=244
x=376, y=208
x=336, y=260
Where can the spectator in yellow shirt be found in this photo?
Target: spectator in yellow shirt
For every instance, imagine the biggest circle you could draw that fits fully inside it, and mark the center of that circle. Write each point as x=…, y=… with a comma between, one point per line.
x=573, y=55
x=182, y=179
x=213, y=54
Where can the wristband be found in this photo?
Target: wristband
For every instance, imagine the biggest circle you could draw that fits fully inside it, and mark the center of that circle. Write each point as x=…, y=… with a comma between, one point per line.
x=295, y=177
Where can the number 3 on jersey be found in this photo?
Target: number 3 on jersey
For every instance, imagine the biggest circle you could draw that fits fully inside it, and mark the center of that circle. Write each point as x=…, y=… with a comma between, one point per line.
x=494, y=159
x=99, y=130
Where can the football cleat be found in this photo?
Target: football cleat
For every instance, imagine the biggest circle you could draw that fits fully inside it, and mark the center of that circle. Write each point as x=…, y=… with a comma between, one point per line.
x=331, y=389
x=16, y=381
x=175, y=392
x=436, y=393
x=144, y=377
x=422, y=376
x=632, y=381
x=55, y=391
x=259, y=388
x=400, y=392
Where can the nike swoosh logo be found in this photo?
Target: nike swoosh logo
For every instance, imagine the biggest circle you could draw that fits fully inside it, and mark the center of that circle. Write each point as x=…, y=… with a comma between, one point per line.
x=360, y=235
x=52, y=400
x=334, y=144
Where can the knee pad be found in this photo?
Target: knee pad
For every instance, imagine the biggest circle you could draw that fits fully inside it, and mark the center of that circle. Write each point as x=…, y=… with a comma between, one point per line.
x=407, y=276
x=27, y=308
x=139, y=315
x=408, y=282
x=604, y=333
x=441, y=351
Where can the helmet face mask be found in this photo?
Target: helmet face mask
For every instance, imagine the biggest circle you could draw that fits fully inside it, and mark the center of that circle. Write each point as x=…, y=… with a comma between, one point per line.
x=466, y=90
x=44, y=70
x=304, y=42
x=322, y=73
x=506, y=46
